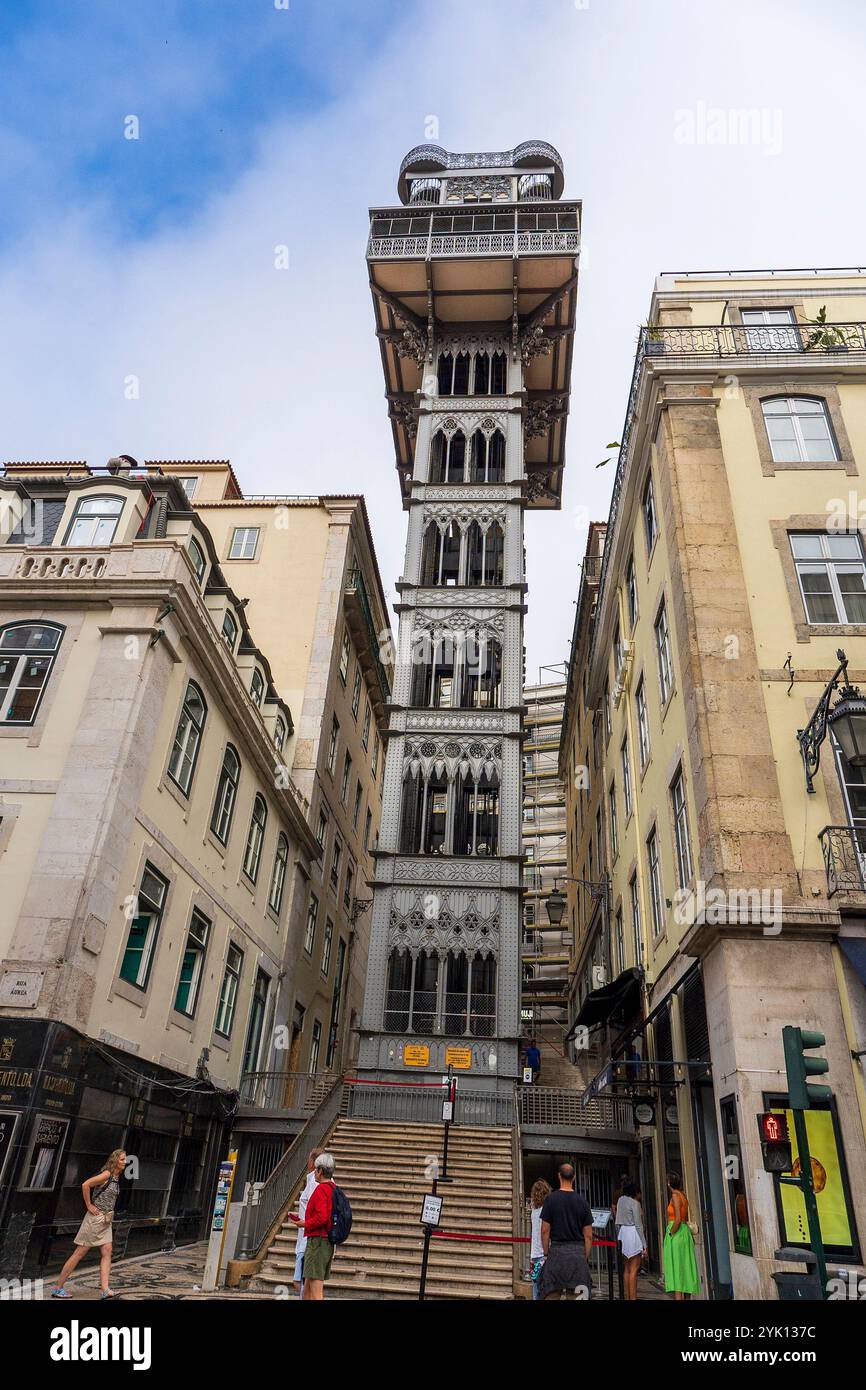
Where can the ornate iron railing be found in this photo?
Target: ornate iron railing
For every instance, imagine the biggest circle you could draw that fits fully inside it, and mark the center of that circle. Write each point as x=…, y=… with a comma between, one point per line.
x=844, y=850
x=473, y=244
x=285, y=1090
x=558, y=1106
x=357, y=586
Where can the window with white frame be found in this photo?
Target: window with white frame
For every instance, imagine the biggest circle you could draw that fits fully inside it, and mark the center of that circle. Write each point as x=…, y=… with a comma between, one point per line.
x=625, y=760
x=347, y=772
x=770, y=330
x=365, y=732
x=375, y=763
x=663, y=654
x=327, y=943
x=356, y=809
x=643, y=738
x=228, y=1000
x=278, y=874
x=612, y=821
x=650, y=523
x=654, y=869
x=244, y=543
x=196, y=554
x=189, y=485
x=94, y=521
x=280, y=733
x=322, y=831
x=255, y=838
x=681, y=830
x=192, y=965
x=345, y=652
x=798, y=428
x=144, y=929
x=356, y=693
x=335, y=861
x=349, y=886
x=230, y=629
x=832, y=576
x=226, y=795
x=631, y=594
x=634, y=898
x=257, y=687
x=332, y=746
x=27, y=654
x=187, y=739
x=310, y=929
x=315, y=1045
x=619, y=942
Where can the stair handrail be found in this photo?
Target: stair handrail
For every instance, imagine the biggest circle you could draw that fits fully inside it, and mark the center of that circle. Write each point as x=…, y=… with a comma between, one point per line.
x=266, y=1213
x=517, y=1196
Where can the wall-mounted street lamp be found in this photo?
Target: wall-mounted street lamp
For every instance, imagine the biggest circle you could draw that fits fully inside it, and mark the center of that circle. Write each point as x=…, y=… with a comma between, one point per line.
x=847, y=720
x=556, y=902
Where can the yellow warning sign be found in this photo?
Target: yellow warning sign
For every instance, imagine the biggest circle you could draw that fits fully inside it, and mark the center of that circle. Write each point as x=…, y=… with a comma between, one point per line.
x=459, y=1057
x=416, y=1055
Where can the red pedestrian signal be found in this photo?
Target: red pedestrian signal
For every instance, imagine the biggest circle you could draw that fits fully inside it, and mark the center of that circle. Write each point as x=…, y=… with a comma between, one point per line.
x=774, y=1128
x=775, y=1144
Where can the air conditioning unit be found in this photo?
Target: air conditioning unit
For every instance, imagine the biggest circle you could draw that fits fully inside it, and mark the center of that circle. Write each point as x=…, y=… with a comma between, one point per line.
x=599, y=977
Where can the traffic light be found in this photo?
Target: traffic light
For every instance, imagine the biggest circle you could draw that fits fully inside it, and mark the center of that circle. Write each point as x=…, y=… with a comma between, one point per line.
x=775, y=1144
x=802, y=1094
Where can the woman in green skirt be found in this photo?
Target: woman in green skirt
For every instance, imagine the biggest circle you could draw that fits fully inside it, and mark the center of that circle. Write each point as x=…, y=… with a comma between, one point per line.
x=680, y=1265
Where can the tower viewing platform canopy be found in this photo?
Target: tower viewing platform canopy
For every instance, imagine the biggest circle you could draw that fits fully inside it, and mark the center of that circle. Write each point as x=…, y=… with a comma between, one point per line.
x=484, y=241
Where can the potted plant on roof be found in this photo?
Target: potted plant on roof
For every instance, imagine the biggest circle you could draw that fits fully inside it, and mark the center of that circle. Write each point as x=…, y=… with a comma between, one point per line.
x=825, y=337
x=655, y=343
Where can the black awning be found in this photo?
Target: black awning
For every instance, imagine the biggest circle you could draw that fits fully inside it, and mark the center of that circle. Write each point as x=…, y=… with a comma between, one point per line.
x=855, y=949
x=622, y=995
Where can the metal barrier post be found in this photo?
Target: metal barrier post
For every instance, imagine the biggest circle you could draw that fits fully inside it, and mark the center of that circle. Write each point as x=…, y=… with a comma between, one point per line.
x=447, y=1116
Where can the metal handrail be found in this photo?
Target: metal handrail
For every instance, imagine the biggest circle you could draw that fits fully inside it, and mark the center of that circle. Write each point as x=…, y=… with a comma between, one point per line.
x=284, y=1090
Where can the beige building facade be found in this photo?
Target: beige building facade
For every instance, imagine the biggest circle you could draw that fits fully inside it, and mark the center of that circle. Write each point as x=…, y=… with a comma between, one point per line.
x=732, y=572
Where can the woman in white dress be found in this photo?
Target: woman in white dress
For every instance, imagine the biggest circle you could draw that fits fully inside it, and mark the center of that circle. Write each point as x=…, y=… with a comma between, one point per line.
x=629, y=1223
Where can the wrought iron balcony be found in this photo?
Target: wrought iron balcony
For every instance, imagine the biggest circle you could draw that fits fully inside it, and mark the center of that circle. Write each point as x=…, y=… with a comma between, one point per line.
x=844, y=850
x=545, y=228
x=741, y=340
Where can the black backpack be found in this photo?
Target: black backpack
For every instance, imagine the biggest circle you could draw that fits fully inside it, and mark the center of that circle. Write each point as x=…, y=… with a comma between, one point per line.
x=341, y=1216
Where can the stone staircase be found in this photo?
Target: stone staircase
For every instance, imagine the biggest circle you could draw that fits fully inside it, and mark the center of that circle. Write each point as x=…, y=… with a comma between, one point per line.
x=381, y=1167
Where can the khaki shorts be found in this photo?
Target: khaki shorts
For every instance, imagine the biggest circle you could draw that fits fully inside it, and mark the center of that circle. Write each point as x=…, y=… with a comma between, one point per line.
x=94, y=1230
x=317, y=1258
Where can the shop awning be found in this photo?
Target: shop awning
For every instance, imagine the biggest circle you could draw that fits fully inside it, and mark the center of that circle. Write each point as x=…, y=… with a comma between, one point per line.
x=855, y=949
x=622, y=995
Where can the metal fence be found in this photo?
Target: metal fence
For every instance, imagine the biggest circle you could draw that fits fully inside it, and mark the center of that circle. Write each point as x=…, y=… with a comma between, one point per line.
x=422, y=1104
x=556, y=1106
x=844, y=850
x=301, y=1092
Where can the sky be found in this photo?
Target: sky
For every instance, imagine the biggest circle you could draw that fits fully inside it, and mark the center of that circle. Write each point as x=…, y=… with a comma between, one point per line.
x=147, y=311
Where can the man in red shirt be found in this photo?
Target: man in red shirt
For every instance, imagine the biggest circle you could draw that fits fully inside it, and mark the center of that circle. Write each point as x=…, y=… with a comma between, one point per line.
x=316, y=1225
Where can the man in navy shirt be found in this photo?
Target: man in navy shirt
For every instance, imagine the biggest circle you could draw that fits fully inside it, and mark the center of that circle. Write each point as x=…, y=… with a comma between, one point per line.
x=533, y=1059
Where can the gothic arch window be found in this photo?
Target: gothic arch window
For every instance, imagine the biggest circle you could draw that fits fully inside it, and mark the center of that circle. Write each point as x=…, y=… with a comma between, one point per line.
x=453, y=373
x=440, y=555
x=424, y=821
x=485, y=555
x=187, y=738
x=481, y=686
x=481, y=374
x=433, y=672
x=476, y=814
x=497, y=374
x=488, y=457
x=448, y=458
x=456, y=671
x=412, y=993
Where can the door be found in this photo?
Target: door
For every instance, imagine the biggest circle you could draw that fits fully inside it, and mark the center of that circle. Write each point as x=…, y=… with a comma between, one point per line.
x=712, y=1191
x=257, y=1021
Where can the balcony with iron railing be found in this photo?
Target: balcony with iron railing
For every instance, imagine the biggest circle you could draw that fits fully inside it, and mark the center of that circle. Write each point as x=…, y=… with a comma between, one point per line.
x=369, y=640
x=291, y=1093
x=844, y=851
x=474, y=230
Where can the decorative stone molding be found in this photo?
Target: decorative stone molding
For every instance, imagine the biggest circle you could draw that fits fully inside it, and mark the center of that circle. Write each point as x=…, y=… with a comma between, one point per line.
x=472, y=342
x=414, y=341
x=538, y=484
x=482, y=597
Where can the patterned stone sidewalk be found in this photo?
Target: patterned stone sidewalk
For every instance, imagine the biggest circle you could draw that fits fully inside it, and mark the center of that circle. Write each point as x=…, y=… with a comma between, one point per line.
x=174, y=1275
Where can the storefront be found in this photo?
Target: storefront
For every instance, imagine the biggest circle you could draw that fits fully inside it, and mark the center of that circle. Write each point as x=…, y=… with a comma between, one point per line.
x=66, y=1101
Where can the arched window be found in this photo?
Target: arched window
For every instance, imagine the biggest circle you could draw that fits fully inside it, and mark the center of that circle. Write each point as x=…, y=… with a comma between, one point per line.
x=255, y=838
x=476, y=820
x=498, y=374
x=481, y=374
x=226, y=795
x=462, y=671
x=488, y=457
x=445, y=373
x=94, y=521
x=196, y=554
x=278, y=875
x=280, y=732
x=440, y=555
x=257, y=687
x=187, y=739
x=482, y=673
x=799, y=430
x=230, y=629
x=485, y=555
x=424, y=820
x=448, y=458
x=27, y=652
x=453, y=374
x=433, y=673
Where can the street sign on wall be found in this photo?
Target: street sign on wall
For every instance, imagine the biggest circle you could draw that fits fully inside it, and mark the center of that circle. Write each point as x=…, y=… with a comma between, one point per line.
x=416, y=1055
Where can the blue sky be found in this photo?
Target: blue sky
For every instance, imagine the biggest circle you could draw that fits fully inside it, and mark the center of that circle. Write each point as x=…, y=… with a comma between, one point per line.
x=259, y=127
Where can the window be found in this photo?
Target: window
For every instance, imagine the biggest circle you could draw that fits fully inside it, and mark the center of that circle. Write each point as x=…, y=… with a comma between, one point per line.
x=257, y=687
x=368, y=825
x=347, y=772
x=27, y=652
x=255, y=1027
x=606, y=704
x=349, y=886
x=278, y=874
x=335, y=861
x=365, y=734
x=332, y=746
x=650, y=524
x=776, y=332
x=255, y=838
x=345, y=651
x=189, y=486
x=631, y=594
x=619, y=942
x=244, y=543
x=196, y=554
x=280, y=732
x=356, y=693
x=798, y=429
x=94, y=521
x=737, y=1196
x=230, y=629
x=326, y=946
x=681, y=830
x=634, y=897
x=614, y=830
x=663, y=655
x=625, y=759
x=192, y=965
x=229, y=992
x=187, y=739
x=655, y=881
x=310, y=930
x=375, y=763
x=315, y=1045
x=144, y=929
x=832, y=577
x=322, y=831
x=227, y=790
x=356, y=810
x=642, y=723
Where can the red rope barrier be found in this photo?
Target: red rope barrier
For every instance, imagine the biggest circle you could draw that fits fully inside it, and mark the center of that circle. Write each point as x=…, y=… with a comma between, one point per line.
x=474, y=1236
x=411, y=1085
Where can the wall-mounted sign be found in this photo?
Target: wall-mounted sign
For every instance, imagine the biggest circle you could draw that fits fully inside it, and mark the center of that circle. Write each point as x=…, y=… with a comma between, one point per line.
x=416, y=1055
x=458, y=1057
x=527, y=1076
x=20, y=989
x=644, y=1111
x=672, y=1115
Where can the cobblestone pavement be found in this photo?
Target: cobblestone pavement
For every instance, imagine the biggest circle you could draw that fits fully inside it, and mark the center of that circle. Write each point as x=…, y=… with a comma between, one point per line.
x=170, y=1275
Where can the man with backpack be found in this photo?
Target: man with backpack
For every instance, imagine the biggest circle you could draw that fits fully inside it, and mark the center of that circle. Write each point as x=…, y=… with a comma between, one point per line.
x=326, y=1223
